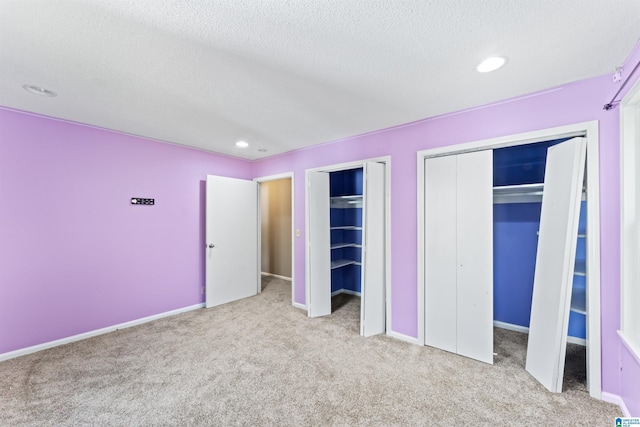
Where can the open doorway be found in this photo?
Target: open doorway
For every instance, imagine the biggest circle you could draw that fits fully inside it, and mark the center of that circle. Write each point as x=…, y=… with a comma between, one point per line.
x=347, y=214
x=589, y=239
x=276, y=229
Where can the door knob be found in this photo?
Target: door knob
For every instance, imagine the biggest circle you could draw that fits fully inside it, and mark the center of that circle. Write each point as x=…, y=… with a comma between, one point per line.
x=210, y=245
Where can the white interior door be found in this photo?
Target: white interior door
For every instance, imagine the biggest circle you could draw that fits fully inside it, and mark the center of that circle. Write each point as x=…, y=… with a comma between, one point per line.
x=372, y=312
x=231, y=266
x=319, y=245
x=474, y=242
x=555, y=260
x=440, y=253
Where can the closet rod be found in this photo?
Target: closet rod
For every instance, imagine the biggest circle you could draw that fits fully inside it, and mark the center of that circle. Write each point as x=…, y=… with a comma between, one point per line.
x=609, y=106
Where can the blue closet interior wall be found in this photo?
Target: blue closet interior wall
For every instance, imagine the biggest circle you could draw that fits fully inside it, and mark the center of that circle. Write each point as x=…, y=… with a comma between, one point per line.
x=346, y=183
x=515, y=238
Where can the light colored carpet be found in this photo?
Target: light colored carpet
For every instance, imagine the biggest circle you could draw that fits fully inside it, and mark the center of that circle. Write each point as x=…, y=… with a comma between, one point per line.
x=260, y=361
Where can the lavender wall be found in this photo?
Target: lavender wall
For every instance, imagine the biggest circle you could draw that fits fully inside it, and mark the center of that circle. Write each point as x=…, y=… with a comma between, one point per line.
x=573, y=103
x=75, y=256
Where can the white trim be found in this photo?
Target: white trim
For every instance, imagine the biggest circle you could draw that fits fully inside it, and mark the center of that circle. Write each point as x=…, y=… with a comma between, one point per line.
x=346, y=291
x=345, y=166
x=616, y=400
x=260, y=180
x=510, y=326
x=403, y=337
x=349, y=165
x=387, y=257
x=630, y=219
x=96, y=332
x=275, y=177
x=631, y=346
x=590, y=131
x=568, y=131
x=421, y=247
x=525, y=330
x=300, y=306
x=276, y=276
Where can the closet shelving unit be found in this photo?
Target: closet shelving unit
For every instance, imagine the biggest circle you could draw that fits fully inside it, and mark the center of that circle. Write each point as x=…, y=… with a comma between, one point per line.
x=345, y=202
x=579, y=289
x=345, y=213
x=532, y=193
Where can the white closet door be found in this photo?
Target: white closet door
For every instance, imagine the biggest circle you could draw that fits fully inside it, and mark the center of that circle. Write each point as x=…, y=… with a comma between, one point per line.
x=474, y=241
x=319, y=240
x=555, y=260
x=440, y=253
x=231, y=267
x=372, y=313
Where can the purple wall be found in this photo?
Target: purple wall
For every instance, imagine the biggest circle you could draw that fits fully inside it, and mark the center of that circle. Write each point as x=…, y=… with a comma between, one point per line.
x=75, y=256
x=572, y=103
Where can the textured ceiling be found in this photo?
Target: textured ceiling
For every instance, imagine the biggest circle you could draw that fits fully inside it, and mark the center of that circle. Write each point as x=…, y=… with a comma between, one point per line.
x=285, y=74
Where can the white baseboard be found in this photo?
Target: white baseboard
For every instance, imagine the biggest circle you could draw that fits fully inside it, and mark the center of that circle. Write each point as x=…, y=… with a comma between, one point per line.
x=579, y=341
x=524, y=329
x=403, y=337
x=510, y=326
x=276, y=276
x=616, y=400
x=300, y=306
x=90, y=334
x=345, y=291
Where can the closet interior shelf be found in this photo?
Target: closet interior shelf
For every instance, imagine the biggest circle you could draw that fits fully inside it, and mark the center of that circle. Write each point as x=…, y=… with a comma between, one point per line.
x=580, y=268
x=579, y=300
x=523, y=193
x=343, y=262
x=345, y=245
x=346, y=202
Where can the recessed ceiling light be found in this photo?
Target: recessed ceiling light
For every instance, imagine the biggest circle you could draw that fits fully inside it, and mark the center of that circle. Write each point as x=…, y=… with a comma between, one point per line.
x=37, y=90
x=491, y=64
x=242, y=144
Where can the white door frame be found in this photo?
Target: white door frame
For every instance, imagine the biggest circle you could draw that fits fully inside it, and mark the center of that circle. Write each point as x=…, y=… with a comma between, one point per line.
x=229, y=245
x=629, y=224
x=260, y=180
x=387, y=250
x=585, y=129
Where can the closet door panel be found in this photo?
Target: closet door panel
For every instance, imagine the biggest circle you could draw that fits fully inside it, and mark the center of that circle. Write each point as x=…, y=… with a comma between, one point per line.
x=372, y=314
x=319, y=245
x=474, y=216
x=440, y=253
x=559, y=217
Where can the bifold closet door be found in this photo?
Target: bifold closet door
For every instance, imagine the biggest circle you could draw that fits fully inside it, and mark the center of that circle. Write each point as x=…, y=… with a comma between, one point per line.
x=459, y=254
x=231, y=264
x=440, y=253
x=319, y=241
x=550, y=305
x=474, y=239
x=372, y=312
